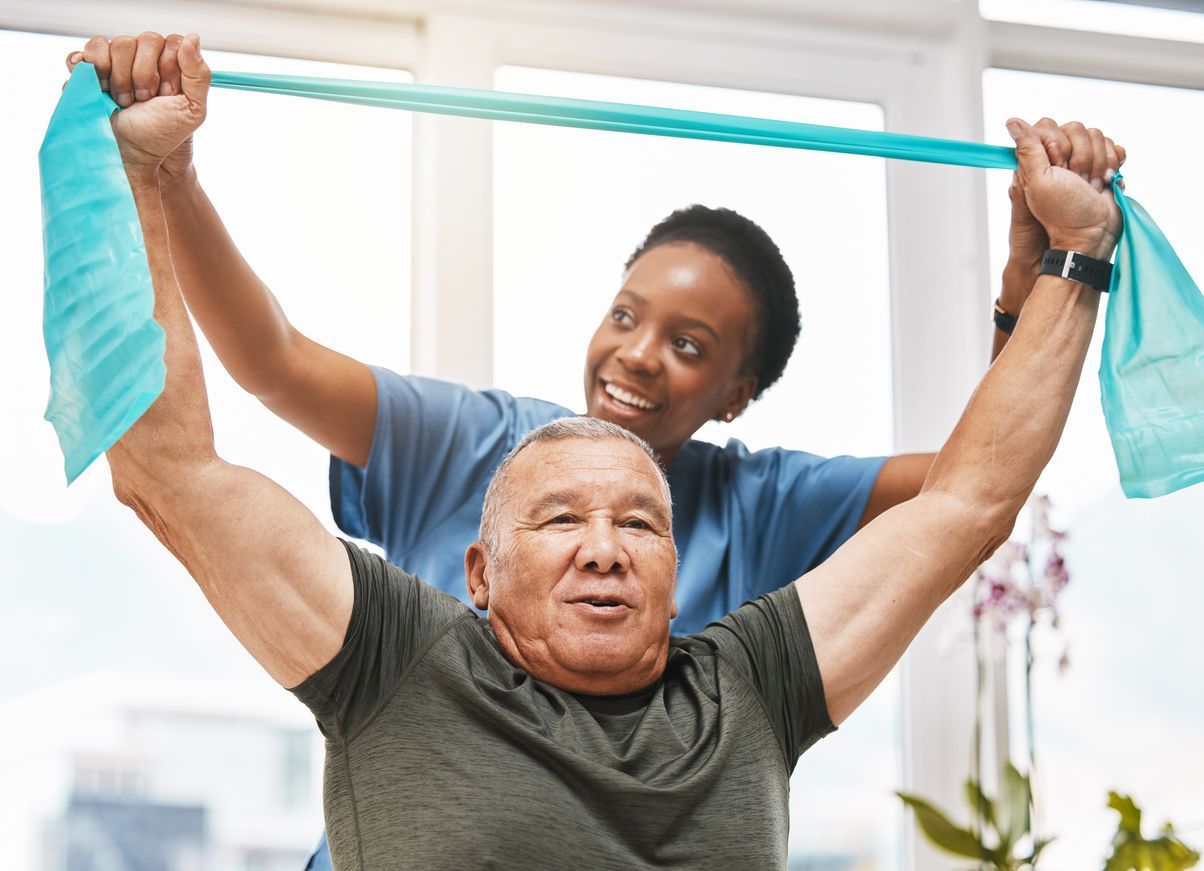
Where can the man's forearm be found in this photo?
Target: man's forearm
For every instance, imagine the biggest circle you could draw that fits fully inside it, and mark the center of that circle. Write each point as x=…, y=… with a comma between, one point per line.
x=176, y=432
x=1013, y=422
x=241, y=318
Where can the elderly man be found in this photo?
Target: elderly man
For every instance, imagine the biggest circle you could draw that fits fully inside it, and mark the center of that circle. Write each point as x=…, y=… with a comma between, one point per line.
x=568, y=729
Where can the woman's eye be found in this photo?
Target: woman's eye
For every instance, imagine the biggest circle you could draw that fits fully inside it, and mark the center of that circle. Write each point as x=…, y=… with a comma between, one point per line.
x=687, y=346
x=620, y=315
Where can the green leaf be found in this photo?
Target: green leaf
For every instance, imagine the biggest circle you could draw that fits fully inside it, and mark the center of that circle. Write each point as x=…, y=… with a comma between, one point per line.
x=1013, y=807
x=941, y=831
x=1040, y=845
x=1132, y=852
x=1130, y=814
x=979, y=803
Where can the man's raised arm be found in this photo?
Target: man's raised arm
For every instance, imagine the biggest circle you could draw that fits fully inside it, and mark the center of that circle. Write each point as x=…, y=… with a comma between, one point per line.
x=278, y=580
x=868, y=601
x=327, y=395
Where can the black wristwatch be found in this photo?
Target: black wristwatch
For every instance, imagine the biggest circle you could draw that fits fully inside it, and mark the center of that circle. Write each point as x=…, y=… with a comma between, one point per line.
x=1077, y=267
x=1004, y=319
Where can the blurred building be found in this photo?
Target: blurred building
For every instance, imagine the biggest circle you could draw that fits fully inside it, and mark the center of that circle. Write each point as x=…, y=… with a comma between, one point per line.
x=133, y=773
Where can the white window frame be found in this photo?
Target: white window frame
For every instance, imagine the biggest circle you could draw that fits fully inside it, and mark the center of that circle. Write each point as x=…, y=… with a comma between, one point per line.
x=922, y=61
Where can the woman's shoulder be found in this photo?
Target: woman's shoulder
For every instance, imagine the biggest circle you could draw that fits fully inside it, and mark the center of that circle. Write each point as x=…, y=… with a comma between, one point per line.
x=425, y=390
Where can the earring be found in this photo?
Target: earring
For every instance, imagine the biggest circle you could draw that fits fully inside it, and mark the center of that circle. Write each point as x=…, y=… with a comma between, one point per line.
x=729, y=417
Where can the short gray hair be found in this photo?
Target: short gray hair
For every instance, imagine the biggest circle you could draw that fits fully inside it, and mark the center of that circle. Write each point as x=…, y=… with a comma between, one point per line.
x=589, y=428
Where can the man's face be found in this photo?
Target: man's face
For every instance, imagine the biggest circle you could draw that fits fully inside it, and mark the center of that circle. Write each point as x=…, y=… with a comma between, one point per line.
x=670, y=353
x=580, y=594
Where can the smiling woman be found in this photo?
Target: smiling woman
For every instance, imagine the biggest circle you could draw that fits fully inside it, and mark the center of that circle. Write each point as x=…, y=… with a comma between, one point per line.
x=678, y=345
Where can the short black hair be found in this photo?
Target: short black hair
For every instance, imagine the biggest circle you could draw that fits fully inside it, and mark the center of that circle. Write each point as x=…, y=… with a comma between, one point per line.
x=752, y=255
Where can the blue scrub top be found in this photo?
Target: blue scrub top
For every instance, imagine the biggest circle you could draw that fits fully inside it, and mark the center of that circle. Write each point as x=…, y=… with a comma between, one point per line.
x=746, y=523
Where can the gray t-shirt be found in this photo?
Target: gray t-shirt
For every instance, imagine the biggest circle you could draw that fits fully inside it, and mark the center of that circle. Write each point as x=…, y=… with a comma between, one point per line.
x=442, y=754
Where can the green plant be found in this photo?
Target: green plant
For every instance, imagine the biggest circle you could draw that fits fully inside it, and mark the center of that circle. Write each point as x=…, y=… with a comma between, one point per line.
x=1003, y=842
x=1132, y=852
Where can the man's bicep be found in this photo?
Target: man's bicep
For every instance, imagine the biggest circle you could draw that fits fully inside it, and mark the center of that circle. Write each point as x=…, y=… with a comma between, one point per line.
x=276, y=577
x=866, y=603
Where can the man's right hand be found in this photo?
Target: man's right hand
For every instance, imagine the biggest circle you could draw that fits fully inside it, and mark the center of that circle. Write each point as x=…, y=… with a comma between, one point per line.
x=1074, y=206
x=161, y=84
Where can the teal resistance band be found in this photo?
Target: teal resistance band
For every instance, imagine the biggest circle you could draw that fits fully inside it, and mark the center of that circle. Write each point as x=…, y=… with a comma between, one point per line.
x=1152, y=377
x=625, y=118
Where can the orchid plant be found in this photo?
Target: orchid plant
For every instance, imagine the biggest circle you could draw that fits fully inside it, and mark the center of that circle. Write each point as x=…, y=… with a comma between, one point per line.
x=1019, y=588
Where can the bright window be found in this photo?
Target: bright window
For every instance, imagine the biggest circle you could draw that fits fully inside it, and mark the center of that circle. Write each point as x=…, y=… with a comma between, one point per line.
x=1103, y=16
x=133, y=708
x=1128, y=715
x=571, y=205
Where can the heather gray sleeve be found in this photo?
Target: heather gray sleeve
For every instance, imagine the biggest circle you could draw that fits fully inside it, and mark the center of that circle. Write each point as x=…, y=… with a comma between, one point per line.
x=767, y=642
x=394, y=619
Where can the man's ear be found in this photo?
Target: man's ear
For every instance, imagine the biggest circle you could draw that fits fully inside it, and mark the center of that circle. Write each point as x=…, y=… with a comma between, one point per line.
x=476, y=563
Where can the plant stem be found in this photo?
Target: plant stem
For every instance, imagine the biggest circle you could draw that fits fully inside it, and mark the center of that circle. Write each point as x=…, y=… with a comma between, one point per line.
x=980, y=674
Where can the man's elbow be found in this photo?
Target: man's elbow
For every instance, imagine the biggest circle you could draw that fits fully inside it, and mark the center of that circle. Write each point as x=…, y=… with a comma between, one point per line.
x=155, y=488
x=981, y=525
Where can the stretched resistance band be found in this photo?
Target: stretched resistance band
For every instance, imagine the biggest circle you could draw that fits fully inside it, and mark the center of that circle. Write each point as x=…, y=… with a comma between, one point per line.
x=625, y=118
x=106, y=356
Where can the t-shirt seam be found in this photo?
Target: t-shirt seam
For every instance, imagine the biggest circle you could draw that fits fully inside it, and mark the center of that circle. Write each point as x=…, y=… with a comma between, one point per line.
x=405, y=675
x=760, y=703
x=355, y=810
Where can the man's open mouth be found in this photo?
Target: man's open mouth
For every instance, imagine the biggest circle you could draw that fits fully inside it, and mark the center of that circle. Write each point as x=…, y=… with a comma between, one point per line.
x=602, y=603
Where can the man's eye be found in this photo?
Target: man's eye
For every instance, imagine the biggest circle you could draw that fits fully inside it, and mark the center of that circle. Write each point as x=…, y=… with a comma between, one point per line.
x=563, y=518
x=635, y=523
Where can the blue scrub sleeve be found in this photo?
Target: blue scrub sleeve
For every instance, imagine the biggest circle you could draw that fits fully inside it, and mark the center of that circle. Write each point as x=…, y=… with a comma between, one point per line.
x=806, y=508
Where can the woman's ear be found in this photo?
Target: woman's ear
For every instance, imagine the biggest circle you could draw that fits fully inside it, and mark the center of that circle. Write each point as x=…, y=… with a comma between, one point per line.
x=476, y=565
x=738, y=399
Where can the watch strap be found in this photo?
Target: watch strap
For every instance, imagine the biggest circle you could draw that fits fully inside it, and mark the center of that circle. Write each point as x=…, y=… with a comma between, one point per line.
x=1004, y=319
x=1077, y=267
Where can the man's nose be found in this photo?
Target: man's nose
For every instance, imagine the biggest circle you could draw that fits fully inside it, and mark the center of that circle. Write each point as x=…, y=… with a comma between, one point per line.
x=639, y=353
x=601, y=550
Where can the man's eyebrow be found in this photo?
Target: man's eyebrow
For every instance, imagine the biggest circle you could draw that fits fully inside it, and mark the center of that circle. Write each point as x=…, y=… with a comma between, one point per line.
x=693, y=323
x=554, y=499
x=651, y=505
x=569, y=498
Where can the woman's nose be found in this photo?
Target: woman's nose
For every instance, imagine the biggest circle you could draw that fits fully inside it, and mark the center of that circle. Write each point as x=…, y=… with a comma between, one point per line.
x=639, y=353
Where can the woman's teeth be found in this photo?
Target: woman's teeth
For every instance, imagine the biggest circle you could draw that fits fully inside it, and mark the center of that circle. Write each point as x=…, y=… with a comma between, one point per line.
x=629, y=398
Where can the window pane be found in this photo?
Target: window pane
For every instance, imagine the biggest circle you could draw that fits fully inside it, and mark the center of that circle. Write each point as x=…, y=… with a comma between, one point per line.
x=1128, y=715
x=569, y=208
x=134, y=711
x=1130, y=19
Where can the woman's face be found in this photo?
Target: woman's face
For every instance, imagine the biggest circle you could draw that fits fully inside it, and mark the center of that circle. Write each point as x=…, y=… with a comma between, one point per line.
x=669, y=354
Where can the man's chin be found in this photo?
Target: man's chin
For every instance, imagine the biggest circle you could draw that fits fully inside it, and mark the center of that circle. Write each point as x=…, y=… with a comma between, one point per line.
x=597, y=666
